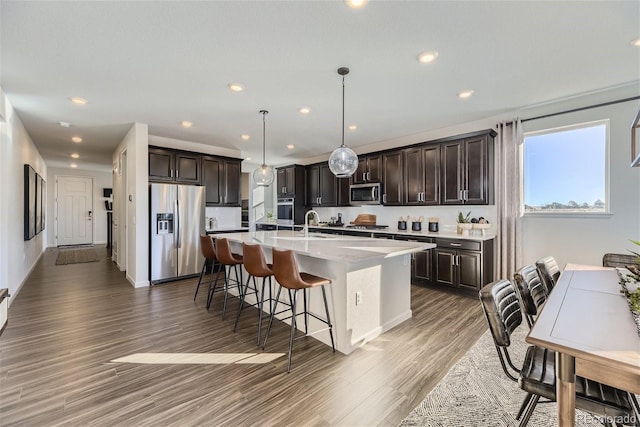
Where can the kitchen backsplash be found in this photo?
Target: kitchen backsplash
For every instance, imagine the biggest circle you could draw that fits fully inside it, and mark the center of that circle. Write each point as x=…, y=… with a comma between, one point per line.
x=225, y=217
x=389, y=215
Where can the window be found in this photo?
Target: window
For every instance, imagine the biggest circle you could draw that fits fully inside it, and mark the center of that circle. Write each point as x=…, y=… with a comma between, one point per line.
x=565, y=169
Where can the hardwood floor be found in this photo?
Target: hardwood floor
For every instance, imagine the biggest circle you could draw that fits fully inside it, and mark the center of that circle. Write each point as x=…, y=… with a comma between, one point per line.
x=70, y=322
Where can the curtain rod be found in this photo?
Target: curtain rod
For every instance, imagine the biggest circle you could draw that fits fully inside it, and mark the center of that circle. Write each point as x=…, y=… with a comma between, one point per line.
x=604, y=104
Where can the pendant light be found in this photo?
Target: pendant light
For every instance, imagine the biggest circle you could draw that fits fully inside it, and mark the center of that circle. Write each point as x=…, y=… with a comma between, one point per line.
x=343, y=162
x=263, y=176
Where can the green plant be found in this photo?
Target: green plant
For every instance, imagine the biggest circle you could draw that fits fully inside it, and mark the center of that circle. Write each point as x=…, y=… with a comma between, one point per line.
x=462, y=219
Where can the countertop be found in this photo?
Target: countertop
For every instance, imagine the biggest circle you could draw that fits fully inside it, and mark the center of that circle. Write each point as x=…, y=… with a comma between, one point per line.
x=439, y=234
x=227, y=230
x=348, y=249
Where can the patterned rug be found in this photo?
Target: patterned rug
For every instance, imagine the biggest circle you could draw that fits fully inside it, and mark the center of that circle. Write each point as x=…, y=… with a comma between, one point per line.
x=477, y=392
x=76, y=256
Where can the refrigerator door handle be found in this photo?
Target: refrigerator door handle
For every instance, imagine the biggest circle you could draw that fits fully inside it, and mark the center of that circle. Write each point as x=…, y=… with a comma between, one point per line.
x=177, y=231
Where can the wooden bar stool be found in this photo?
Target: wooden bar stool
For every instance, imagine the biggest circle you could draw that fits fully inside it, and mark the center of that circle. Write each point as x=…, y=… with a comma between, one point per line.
x=256, y=265
x=231, y=260
x=285, y=270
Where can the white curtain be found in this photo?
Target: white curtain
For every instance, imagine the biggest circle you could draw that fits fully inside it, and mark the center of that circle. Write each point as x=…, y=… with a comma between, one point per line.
x=508, y=202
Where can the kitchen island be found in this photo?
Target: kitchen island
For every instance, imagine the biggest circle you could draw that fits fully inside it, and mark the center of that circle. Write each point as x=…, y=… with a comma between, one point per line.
x=370, y=291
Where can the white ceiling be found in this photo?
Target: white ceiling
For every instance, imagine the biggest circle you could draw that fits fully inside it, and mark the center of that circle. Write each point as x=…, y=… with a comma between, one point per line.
x=161, y=62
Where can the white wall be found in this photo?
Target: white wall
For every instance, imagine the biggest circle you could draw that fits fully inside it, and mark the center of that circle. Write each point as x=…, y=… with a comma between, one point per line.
x=585, y=239
x=133, y=219
x=100, y=180
x=17, y=257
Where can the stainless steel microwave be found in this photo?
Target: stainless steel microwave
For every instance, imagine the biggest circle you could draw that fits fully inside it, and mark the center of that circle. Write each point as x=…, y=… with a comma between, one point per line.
x=365, y=194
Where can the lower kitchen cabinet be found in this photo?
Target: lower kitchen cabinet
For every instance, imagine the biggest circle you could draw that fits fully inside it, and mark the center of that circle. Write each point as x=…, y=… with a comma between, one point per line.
x=421, y=262
x=463, y=264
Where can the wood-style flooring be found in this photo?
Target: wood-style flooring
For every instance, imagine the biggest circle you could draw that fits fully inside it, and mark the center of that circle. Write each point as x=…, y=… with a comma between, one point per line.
x=69, y=322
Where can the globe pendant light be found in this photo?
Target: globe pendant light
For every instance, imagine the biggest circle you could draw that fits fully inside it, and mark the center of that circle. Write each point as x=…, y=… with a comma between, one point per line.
x=263, y=176
x=343, y=162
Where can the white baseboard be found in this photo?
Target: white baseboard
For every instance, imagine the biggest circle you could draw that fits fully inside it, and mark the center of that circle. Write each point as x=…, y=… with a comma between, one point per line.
x=14, y=294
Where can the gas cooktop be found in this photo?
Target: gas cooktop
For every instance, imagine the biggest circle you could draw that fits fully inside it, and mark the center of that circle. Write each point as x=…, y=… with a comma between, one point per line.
x=367, y=227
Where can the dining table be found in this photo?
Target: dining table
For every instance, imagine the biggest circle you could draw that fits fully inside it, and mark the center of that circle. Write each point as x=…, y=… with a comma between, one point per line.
x=587, y=322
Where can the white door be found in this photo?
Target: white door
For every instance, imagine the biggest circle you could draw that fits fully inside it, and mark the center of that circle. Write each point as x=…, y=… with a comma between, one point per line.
x=75, y=210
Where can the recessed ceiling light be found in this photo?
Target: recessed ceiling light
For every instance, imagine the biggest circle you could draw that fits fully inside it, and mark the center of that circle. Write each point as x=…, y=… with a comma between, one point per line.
x=353, y=127
x=636, y=42
x=236, y=87
x=245, y=137
x=73, y=165
x=78, y=100
x=291, y=146
x=75, y=155
x=248, y=159
x=76, y=139
x=426, y=57
x=464, y=94
x=304, y=110
x=355, y=4
x=186, y=124
x=65, y=124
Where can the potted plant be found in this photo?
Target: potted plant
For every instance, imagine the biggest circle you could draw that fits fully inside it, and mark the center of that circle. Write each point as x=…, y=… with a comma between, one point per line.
x=631, y=286
x=464, y=223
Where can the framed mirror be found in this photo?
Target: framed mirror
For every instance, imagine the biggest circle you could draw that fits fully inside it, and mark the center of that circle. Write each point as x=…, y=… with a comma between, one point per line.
x=635, y=141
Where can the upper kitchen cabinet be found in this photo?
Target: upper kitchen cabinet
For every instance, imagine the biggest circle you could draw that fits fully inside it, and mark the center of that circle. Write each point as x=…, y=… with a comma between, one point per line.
x=221, y=178
x=290, y=181
x=392, y=181
x=467, y=171
x=167, y=165
x=321, y=185
x=369, y=169
x=422, y=175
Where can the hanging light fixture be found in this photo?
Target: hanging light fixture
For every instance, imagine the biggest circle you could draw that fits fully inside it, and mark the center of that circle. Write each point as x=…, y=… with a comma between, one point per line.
x=343, y=162
x=263, y=176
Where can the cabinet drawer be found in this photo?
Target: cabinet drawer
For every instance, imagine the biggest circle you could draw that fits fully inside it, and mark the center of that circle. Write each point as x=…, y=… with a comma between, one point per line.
x=459, y=244
x=414, y=238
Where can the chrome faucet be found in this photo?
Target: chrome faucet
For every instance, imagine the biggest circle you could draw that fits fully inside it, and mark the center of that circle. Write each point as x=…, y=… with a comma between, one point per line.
x=306, y=221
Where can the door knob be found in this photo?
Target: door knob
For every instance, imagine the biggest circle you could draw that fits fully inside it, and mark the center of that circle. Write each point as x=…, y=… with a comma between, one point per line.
x=90, y=215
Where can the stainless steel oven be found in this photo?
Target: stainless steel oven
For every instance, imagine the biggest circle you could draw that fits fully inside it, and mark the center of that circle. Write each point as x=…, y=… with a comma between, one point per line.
x=286, y=211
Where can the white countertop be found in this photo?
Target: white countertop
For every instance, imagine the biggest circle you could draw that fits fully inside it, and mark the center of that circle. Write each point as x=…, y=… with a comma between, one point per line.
x=439, y=234
x=226, y=229
x=348, y=249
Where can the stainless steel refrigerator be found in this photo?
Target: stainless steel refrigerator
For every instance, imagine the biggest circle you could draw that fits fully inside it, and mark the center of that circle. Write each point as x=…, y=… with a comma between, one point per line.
x=177, y=220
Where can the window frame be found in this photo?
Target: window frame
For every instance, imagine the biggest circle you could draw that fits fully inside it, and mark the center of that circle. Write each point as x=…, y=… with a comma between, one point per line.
x=576, y=214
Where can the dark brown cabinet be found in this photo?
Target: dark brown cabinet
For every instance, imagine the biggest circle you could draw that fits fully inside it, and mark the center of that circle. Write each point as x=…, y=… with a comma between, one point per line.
x=392, y=180
x=463, y=263
x=421, y=262
x=167, y=165
x=321, y=186
x=290, y=181
x=422, y=175
x=221, y=178
x=467, y=171
x=369, y=169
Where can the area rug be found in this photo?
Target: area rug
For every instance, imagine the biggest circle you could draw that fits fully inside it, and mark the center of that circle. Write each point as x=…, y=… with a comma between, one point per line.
x=76, y=256
x=476, y=392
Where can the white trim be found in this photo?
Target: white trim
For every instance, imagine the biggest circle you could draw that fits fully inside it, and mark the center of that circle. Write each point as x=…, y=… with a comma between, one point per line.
x=13, y=295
